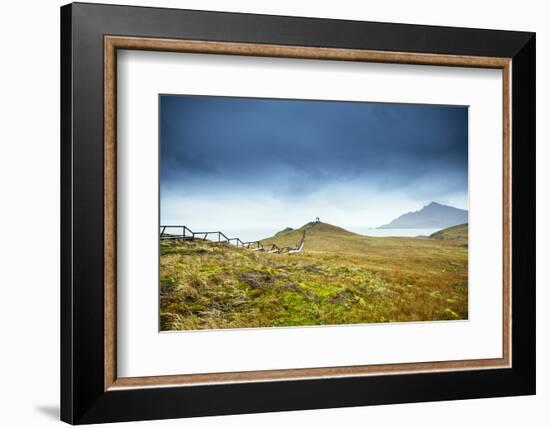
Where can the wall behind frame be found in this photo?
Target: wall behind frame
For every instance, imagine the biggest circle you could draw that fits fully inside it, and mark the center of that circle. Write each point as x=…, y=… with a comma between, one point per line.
x=29, y=173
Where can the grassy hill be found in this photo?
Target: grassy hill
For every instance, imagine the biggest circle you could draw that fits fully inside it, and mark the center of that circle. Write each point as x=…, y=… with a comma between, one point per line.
x=319, y=237
x=339, y=277
x=457, y=234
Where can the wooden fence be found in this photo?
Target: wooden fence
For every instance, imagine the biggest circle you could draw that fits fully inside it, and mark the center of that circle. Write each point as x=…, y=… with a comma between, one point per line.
x=183, y=233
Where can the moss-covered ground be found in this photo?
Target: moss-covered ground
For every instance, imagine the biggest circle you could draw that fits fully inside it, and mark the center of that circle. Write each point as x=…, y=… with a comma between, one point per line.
x=339, y=278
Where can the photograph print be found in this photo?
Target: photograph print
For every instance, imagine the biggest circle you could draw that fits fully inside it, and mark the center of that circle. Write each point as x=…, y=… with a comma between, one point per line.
x=289, y=212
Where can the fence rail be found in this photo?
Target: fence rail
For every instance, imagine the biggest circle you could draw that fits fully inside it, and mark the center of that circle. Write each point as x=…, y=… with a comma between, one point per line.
x=183, y=233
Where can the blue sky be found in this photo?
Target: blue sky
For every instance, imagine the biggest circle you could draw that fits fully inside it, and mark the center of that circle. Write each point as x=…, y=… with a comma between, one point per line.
x=244, y=163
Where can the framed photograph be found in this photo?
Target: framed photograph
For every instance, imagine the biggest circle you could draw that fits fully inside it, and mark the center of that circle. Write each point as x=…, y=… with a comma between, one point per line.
x=265, y=213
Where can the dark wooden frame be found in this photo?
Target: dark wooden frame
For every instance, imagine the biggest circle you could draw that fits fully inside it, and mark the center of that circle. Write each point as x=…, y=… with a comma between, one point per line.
x=114, y=43
x=88, y=115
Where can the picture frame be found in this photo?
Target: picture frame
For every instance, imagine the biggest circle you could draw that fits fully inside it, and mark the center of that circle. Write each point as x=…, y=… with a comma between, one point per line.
x=91, y=390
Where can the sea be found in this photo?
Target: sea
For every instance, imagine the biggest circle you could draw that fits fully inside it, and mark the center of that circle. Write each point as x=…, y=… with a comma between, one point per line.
x=258, y=234
x=373, y=231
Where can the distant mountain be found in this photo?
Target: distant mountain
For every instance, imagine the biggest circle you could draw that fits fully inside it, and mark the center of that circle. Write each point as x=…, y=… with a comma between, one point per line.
x=433, y=215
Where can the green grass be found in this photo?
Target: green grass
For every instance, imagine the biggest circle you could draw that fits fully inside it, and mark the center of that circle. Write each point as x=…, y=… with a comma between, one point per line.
x=457, y=234
x=339, y=278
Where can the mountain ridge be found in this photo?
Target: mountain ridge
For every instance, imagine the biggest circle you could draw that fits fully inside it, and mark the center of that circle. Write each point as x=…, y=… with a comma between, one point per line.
x=433, y=215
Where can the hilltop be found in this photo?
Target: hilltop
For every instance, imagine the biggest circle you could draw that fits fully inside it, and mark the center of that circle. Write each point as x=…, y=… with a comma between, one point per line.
x=458, y=234
x=433, y=215
x=285, y=230
x=319, y=236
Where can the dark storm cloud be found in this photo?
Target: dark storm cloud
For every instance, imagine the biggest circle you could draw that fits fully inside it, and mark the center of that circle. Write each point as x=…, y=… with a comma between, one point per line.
x=290, y=148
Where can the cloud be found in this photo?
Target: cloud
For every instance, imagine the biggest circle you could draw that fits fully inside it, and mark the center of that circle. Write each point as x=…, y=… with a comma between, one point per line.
x=295, y=150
